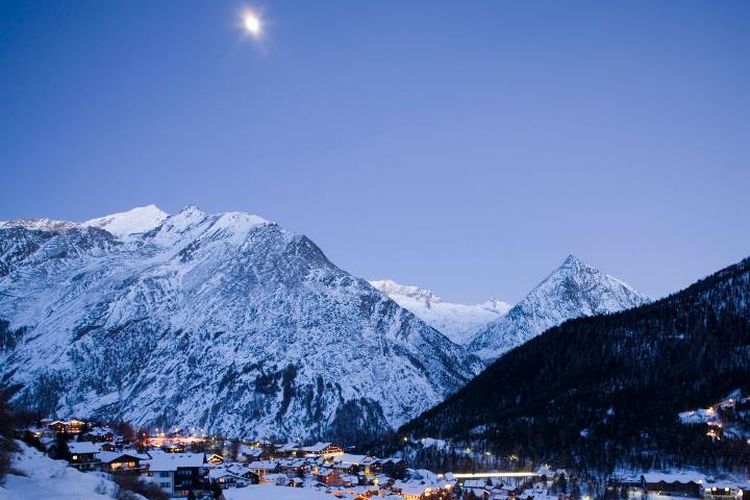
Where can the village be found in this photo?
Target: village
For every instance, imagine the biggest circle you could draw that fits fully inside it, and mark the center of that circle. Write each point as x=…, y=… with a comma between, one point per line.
x=188, y=464
x=177, y=464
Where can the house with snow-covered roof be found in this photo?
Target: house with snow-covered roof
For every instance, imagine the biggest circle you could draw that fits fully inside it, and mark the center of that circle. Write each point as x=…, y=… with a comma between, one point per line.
x=329, y=477
x=121, y=461
x=322, y=449
x=83, y=455
x=177, y=474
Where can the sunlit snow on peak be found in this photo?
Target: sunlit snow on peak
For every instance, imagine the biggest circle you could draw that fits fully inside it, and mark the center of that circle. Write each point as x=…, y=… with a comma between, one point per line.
x=133, y=221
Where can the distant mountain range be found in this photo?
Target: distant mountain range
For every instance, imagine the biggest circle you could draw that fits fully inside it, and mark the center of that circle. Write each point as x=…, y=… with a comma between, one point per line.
x=226, y=322
x=230, y=323
x=459, y=322
x=492, y=328
x=607, y=390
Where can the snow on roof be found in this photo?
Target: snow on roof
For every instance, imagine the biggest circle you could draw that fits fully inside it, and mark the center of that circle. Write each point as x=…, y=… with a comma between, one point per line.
x=682, y=476
x=289, y=447
x=262, y=465
x=219, y=473
x=316, y=448
x=410, y=488
x=100, y=431
x=82, y=447
x=325, y=472
x=238, y=469
x=161, y=461
x=350, y=459
x=111, y=456
x=250, y=451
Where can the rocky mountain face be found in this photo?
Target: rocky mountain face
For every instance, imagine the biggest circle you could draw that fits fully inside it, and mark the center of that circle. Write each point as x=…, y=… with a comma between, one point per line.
x=226, y=322
x=458, y=322
x=607, y=391
x=573, y=290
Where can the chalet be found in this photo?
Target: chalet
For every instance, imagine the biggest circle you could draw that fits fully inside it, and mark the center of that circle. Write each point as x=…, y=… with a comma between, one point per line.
x=295, y=482
x=70, y=426
x=392, y=467
x=215, y=459
x=263, y=467
x=289, y=450
x=329, y=477
x=83, y=455
x=324, y=450
x=252, y=453
x=349, y=480
x=98, y=435
x=723, y=491
x=474, y=489
x=354, y=464
x=47, y=442
x=172, y=447
x=411, y=490
x=222, y=477
x=675, y=488
x=57, y=426
x=106, y=446
x=121, y=461
x=294, y=467
x=177, y=474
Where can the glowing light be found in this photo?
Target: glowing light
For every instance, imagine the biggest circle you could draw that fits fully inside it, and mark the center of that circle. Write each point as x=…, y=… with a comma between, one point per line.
x=252, y=23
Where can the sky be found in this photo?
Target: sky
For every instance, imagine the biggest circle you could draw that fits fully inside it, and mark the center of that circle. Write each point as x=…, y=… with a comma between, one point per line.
x=467, y=147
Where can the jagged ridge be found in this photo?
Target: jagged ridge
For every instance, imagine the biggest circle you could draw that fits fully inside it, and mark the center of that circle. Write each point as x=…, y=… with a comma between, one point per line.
x=226, y=322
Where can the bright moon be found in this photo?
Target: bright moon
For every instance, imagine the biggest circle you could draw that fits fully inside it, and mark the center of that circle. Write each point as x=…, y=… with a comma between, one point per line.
x=251, y=22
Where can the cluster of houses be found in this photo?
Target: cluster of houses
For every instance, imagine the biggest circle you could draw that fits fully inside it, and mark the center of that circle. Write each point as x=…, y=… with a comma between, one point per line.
x=180, y=465
x=682, y=484
x=165, y=462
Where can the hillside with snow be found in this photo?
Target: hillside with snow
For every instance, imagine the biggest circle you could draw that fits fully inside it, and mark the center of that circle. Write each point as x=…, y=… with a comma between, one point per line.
x=458, y=322
x=227, y=322
x=34, y=476
x=573, y=290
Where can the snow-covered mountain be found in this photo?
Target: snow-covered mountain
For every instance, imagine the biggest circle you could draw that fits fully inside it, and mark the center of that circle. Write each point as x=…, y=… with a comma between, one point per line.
x=226, y=322
x=573, y=290
x=458, y=322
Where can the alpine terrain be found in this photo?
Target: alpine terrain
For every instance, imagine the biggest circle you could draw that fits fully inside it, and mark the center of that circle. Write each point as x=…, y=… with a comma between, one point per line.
x=226, y=322
x=573, y=290
x=619, y=389
x=459, y=322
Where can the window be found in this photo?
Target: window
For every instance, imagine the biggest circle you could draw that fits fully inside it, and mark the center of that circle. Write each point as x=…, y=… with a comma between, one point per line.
x=165, y=486
x=164, y=474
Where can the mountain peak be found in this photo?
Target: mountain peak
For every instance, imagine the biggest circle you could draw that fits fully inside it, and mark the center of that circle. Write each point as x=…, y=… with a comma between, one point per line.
x=458, y=322
x=571, y=261
x=573, y=290
x=133, y=221
x=390, y=287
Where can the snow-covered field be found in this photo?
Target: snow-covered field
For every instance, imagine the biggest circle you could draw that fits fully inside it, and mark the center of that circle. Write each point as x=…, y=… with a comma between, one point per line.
x=48, y=479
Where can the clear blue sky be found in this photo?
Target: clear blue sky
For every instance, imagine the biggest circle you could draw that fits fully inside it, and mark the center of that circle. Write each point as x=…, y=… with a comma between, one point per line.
x=463, y=146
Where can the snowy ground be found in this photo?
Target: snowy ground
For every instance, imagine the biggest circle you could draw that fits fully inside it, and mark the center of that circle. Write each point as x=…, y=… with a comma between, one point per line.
x=266, y=492
x=49, y=479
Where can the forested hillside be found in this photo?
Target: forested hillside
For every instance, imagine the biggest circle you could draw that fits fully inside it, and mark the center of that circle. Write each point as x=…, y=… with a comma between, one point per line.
x=600, y=390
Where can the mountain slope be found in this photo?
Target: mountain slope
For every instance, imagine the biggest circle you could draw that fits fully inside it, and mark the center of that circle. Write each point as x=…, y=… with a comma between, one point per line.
x=610, y=388
x=458, y=322
x=573, y=290
x=226, y=322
